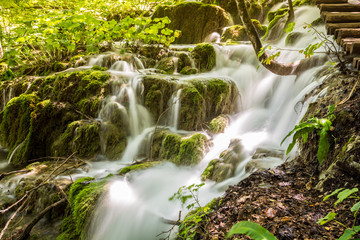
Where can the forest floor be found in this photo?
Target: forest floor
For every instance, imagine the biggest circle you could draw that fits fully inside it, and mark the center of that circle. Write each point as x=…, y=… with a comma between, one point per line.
x=283, y=201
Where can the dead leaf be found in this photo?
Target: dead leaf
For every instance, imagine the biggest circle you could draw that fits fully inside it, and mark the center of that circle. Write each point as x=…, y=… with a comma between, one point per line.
x=270, y=213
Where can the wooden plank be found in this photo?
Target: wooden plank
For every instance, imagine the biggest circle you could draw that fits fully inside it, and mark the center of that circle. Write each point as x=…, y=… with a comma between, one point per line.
x=345, y=33
x=346, y=7
x=338, y=17
x=331, y=27
x=356, y=63
x=330, y=1
x=355, y=48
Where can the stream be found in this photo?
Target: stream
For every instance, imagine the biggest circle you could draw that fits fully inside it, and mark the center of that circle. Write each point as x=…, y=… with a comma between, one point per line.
x=134, y=206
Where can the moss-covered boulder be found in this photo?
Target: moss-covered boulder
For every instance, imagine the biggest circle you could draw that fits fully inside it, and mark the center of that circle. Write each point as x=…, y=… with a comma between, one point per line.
x=83, y=196
x=224, y=167
x=218, y=124
x=80, y=137
x=188, y=150
x=204, y=99
x=41, y=109
x=238, y=33
x=158, y=90
x=169, y=65
x=195, y=20
x=204, y=56
x=113, y=140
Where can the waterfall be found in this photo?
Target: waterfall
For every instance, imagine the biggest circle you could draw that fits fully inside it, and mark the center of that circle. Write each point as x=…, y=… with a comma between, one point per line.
x=134, y=205
x=174, y=110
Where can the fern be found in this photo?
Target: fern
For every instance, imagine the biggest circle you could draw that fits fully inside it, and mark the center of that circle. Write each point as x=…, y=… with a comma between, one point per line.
x=253, y=230
x=321, y=126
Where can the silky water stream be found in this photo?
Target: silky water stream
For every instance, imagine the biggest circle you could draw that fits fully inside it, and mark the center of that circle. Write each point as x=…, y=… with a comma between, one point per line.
x=134, y=205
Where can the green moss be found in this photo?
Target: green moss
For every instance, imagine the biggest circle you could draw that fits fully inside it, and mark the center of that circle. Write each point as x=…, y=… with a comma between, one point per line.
x=279, y=12
x=191, y=150
x=204, y=56
x=274, y=22
x=168, y=64
x=58, y=66
x=81, y=137
x=113, y=139
x=298, y=3
x=170, y=147
x=208, y=172
x=195, y=20
x=218, y=124
x=191, y=108
x=98, y=68
x=83, y=195
x=5, y=72
x=188, y=70
x=137, y=167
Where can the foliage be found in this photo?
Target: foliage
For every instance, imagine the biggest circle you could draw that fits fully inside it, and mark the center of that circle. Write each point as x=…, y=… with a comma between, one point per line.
x=185, y=193
x=343, y=194
x=253, y=230
x=49, y=33
x=321, y=126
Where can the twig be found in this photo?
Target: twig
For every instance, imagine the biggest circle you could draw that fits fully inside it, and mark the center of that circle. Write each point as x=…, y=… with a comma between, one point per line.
x=350, y=94
x=174, y=223
x=20, y=200
x=12, y=218
x=2, y=175
x=29, y=227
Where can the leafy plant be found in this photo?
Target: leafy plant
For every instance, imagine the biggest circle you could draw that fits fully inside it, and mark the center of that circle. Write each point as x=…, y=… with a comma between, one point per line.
x=251, y=229
x=189, y=227
x=343, y=194
x=321, y=126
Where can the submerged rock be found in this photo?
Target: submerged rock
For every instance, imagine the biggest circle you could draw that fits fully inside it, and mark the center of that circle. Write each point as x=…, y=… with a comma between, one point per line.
x=195, y=20
x=220, y=169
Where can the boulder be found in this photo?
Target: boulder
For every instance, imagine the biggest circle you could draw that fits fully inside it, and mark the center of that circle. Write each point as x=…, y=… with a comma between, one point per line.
x=238, y=33
x=195, y=20
x=204, y=56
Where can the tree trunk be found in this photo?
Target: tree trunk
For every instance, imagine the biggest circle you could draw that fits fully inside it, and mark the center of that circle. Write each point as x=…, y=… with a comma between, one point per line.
x=275, y=67
x=291, y=11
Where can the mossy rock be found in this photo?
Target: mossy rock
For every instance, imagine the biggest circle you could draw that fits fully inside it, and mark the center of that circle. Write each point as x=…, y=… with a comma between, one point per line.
x=188, y=70
x=113, y=140
x=205, y=99
x=271, y=15
x=195, y=20
x=81, y=137
x=298, y=3
x=169, y=65
x=254, y=7
x=78, y=61
x=204, y=56
x=218, y=124
x=158, y=90
x=238, y=32
x=83, y=196
x=137, y=167
x=58, y=66
x=188, y=150
x=276, y=26
x=209, y=170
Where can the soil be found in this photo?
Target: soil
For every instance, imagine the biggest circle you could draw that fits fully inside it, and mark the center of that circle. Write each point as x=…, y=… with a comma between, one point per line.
x=283, y=201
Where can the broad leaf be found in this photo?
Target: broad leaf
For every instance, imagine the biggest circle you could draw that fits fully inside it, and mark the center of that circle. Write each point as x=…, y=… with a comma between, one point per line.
x=355, y=208
x=348, y=233
x=251, y=229
x=333, y=193
x=345, y=194
x=329, y=217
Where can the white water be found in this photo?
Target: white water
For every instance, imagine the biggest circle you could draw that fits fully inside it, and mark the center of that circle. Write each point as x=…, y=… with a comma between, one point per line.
x=174, y=110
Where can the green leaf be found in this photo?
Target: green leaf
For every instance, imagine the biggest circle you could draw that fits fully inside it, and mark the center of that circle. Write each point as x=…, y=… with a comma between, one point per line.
x=333, y=193
x=324, y=145
x=251, y=229
x=345, y=194
x=329, y=217
x=348, y=233
x=355, y=208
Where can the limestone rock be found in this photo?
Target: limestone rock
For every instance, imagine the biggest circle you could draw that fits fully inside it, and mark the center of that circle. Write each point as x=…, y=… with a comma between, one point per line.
x=195, y=20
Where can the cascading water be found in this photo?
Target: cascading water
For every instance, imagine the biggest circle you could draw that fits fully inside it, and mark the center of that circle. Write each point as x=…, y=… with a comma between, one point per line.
x=174, y=110
x=134, y=205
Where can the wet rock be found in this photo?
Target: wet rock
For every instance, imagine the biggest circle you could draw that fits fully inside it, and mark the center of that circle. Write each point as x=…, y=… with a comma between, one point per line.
x=113, y=140
x=137, y=167
x=264, y=158
x=218, y=124
x=204, y=57
x=292, y=38
x=238, y=32
x=195, y=20
x=220, y=169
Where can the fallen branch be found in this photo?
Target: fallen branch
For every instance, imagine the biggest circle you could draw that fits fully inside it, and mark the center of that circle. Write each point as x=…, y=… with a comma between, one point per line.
x=2, y=175
x=12, y=218
x=35, y=220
